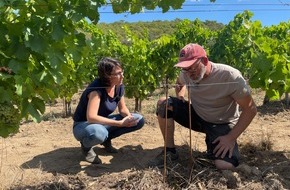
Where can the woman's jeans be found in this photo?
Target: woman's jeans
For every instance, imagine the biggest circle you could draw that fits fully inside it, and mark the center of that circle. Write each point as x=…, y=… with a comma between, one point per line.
x=92, y=134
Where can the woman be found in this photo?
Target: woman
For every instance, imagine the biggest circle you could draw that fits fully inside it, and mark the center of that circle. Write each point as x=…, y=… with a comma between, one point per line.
x=94, y=121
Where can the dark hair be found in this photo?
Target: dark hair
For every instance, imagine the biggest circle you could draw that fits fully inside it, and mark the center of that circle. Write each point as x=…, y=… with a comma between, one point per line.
x=105, y=68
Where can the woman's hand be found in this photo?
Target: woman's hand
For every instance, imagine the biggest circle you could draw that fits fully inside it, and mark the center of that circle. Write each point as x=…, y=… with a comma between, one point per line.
x=129, y=121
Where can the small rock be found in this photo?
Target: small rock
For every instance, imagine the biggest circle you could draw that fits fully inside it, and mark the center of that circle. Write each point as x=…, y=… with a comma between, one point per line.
x=232, y=178
x=256, y=171
x=245, y=169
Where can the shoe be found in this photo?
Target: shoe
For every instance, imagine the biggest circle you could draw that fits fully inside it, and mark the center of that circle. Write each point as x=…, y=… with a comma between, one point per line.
x=90, y=155
x=108, y=147
x=159, y=160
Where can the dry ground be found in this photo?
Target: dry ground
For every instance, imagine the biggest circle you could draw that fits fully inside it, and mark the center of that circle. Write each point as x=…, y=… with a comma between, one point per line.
x=46, y=156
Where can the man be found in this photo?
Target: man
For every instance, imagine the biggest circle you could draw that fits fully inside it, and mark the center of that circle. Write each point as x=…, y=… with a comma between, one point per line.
x=218, y=93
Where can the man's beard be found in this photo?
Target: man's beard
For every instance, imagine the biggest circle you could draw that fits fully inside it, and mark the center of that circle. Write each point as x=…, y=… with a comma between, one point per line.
x=201, y=75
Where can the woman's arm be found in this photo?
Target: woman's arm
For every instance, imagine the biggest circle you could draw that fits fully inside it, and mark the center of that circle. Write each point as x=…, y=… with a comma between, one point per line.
x=93, y=117
x=93, y=108
x=124, y=111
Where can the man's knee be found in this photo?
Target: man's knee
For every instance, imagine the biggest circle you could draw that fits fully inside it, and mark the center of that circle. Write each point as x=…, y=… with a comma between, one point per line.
x=164, y=105
x=223, y=165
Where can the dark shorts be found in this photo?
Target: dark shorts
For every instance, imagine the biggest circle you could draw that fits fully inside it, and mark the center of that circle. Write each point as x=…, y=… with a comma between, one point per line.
x=180, y=114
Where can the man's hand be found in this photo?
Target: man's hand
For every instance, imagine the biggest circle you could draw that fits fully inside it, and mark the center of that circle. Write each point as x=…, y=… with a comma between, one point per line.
x=224, y=144
x=181, y=98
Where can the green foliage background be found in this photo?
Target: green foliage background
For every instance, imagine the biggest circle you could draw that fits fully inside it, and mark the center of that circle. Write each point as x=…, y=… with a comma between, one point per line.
x=49, y=50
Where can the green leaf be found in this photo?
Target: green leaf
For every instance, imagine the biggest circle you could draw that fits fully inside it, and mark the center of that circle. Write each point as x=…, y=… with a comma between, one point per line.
x=273, y=94
x=22, y=52
x=37, y=43
x=4, y=55
x=16, y=66
x=5, y=95
x=56, y=58
x=48, y=94
x=7, y=129
x=19, y=82
x=28, y=109
x=5, y=76
x=18, y=89
x=38, y=104
x=58, y=32
x=2, y=4
x=75, y=53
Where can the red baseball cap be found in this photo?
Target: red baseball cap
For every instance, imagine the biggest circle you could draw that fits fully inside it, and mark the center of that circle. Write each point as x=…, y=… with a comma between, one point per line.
x=189, y=54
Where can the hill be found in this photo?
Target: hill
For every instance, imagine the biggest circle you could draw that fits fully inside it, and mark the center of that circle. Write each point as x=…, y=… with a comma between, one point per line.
x=155, y=28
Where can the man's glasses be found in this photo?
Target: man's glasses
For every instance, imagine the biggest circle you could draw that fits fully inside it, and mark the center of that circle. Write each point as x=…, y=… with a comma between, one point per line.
x=193, y=68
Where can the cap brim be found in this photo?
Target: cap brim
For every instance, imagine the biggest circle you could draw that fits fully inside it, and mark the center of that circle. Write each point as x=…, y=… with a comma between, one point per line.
x=185, y=64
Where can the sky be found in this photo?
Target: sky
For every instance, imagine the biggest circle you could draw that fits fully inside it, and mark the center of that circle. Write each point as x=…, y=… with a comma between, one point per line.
x=269, y=12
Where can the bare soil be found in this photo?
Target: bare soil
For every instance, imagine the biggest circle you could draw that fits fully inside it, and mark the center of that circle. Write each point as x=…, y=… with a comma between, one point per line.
x=45, y=155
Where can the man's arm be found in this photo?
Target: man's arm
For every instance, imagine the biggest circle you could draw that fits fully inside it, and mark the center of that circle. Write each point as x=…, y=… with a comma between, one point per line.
x=249, y=110
x=180, y=89
x=226, y=143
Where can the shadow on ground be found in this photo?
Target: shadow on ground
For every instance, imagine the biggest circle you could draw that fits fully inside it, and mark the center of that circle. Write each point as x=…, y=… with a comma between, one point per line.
x=273, y=167
x=71, y=161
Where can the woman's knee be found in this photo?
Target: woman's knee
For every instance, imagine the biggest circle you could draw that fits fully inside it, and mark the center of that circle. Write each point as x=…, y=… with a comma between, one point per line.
x=99, y=135
x=140, y=119
x=140, y=123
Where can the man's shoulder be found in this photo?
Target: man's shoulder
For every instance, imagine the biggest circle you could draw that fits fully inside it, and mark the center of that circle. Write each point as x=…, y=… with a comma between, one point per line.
x=220, y=67
x=225, y=72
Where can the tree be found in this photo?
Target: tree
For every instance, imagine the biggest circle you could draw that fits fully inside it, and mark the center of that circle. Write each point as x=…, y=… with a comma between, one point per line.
x=40, y=46
x=270, y=70
x=233, y=43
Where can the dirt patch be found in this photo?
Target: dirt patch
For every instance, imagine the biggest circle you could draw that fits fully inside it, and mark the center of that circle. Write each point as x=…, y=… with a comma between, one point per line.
x=46, y=156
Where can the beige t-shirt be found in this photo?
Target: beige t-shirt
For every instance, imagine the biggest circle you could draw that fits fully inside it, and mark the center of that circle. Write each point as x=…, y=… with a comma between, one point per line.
x=214, y=97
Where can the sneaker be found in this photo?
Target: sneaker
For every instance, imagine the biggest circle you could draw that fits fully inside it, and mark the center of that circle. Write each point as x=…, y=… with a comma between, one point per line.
x=108, y=147
x=159, y=160
x=90, y=155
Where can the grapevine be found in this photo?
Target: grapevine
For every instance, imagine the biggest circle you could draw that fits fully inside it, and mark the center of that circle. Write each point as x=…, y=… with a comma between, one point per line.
x=9, y=119
x=48, y=51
